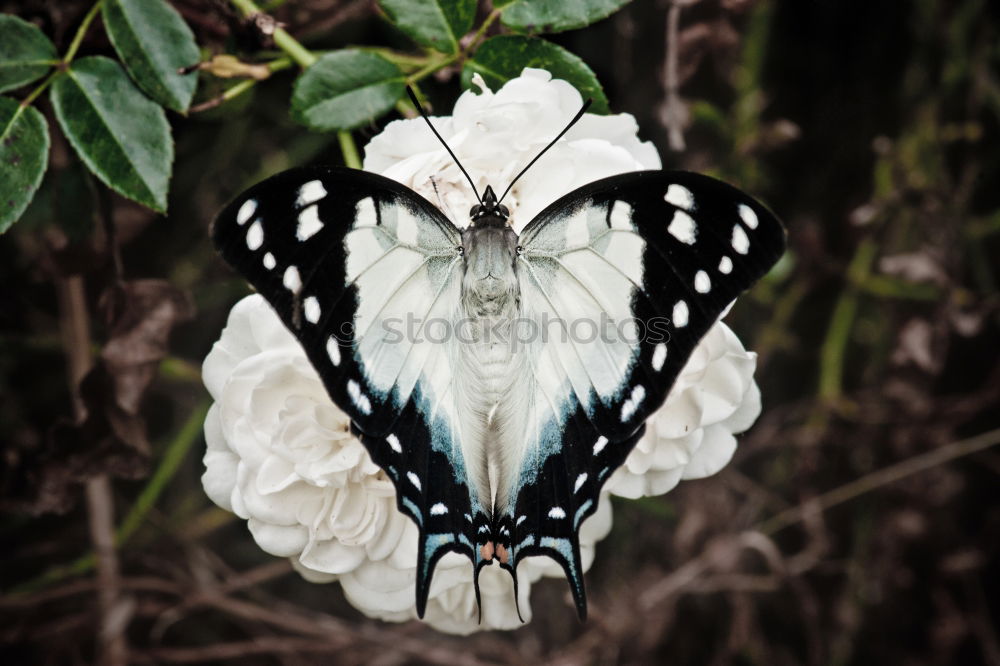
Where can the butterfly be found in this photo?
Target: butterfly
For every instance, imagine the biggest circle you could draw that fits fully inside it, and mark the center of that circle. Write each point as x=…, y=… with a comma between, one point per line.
x=498, y=378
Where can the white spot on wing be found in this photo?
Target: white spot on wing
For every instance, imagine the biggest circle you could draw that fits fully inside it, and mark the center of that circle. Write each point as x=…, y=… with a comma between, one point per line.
x=310, y=193
x=393, y=442
x=255, y=236
x=680, y=314
x=680, y=196
x=291, y=279
x=414, y=479
x=580, y=480
x=557, y=512
x=246, y=211
x=702, y=284
x=269, y=261
x=682, y=227
x=740, y=242
x=520, y=519
x=333, y=350
x=599, y=445
x=312, y=309
x=360, y=400
x=309, y=223
x=725, y=265
x=439, y=509
x=364, y=213
x=632, y=404
x=621, y=216
x=748, y=216
x=659, y=356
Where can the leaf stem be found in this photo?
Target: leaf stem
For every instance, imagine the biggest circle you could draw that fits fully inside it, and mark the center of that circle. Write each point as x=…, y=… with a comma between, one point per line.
x=33, y=95
x=173, y=455
x=481, y=33
x=435, y=65
x=240, y=88
x=349, y=149
x=842, y=323
x=64, y=62
x=300, y=54
x=74, y=46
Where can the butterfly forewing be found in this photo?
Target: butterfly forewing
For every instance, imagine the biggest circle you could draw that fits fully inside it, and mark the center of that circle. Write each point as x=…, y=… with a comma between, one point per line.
x=636, y=268
x=353, y=263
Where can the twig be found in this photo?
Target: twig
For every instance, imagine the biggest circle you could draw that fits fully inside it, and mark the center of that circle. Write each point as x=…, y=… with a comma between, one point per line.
x=673, y=108
x=881, y=478
x=111, y=638
x=238, y=650
x=174, y=453
x=100, y=506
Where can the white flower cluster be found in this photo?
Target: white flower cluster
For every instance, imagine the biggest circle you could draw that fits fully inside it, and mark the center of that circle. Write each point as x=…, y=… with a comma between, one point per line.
x=281, y=454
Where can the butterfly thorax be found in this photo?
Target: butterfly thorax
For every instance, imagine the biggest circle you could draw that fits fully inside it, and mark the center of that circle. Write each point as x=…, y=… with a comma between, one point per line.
x=489, y=285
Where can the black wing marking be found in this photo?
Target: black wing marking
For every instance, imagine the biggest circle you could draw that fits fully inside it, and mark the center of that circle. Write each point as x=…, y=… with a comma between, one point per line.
x=667, y=251
x=345, y=257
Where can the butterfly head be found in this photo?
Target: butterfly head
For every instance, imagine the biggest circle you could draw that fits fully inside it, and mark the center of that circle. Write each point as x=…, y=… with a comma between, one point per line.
x=489, y=211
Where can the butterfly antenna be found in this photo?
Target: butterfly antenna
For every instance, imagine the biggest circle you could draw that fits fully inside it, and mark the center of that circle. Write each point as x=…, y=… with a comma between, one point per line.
x=423, y=114
x=579, y=114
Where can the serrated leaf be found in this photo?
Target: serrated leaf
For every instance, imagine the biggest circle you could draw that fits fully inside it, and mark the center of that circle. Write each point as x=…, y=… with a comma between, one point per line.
x=26, y=54
x=120, y=134
x=345, y=89
x=154, y=42
x=24, y=154
x=436, y=24
x=502, y=58
x=538, y=16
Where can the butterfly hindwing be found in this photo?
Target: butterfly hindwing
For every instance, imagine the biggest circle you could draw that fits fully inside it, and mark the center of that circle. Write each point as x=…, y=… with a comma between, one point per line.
x=635, y=269
x=353, y=263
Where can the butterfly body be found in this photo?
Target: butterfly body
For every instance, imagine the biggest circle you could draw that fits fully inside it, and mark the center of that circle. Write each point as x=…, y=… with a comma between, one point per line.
x=517, y=386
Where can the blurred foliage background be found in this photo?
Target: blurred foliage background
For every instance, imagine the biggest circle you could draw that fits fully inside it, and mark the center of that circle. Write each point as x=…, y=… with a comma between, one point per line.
x=858, y=522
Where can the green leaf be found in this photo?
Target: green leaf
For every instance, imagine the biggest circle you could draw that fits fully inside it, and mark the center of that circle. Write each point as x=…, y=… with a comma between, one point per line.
x=537, y=16
x=120, y=134
x=502, y=58
x=24, y=154
x=153, y=42
x=345, y=89
x=25, y=52
x=436, y=24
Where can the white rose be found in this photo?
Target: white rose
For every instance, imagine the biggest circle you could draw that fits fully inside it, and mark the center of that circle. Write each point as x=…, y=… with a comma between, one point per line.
x=692, y=435
x=495, y=135
x=280, y=453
